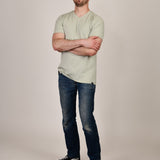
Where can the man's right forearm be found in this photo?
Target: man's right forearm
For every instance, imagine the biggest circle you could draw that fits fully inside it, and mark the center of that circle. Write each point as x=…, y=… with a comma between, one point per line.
x=62, y=45
x=82, y=51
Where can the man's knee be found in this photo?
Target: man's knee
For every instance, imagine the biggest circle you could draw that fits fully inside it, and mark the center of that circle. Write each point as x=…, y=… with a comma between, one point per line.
x=88, y=124
x=87, y=128
x=68, y=123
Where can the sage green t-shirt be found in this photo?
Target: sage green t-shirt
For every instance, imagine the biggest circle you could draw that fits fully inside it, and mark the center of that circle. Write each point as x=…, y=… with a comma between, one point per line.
x=79, y=68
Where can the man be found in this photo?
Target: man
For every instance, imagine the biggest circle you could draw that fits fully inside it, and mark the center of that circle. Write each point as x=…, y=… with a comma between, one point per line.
x=78, y=36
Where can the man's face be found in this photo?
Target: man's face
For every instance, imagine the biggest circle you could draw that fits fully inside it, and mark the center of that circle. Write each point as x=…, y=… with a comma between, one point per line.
x=80, y=3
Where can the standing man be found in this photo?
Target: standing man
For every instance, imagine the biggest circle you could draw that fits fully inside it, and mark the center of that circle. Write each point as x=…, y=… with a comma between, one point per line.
x=78, y=36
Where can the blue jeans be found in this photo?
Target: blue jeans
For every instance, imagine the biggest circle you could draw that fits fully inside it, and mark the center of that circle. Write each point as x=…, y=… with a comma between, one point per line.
x=68, y=90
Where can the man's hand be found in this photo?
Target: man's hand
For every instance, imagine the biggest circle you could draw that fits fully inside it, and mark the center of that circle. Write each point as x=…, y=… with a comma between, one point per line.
x=84, y=47
x=90, y=47
x=93, y=42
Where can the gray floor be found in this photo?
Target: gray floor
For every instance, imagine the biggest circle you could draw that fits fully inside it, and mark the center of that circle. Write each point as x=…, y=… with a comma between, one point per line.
x=47, y=147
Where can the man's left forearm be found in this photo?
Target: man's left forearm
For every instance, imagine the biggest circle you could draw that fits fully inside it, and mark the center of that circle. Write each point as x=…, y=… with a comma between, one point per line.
x=85, y=51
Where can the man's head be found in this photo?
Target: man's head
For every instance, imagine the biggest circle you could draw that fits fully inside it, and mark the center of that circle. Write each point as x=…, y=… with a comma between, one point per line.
x=80, y=3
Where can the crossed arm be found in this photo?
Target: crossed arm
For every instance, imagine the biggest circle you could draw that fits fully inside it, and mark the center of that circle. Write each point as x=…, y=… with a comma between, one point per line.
x=82, y=47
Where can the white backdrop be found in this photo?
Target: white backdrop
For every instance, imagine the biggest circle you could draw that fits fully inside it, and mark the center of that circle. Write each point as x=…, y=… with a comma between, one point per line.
x=127, y=102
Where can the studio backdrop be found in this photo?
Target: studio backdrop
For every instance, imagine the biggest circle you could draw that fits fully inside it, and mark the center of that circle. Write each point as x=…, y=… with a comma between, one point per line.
x=127, y=99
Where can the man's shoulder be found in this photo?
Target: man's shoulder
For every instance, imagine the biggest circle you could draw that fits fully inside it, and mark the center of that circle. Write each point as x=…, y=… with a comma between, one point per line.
x=96, y=17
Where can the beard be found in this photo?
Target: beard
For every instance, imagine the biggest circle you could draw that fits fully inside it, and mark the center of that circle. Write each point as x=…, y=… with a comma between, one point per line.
x=80, y=3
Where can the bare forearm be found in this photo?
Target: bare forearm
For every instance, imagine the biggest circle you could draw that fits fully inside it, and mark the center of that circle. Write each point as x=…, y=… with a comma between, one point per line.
x=61, y=44
x=83, y=51
x=66, y=45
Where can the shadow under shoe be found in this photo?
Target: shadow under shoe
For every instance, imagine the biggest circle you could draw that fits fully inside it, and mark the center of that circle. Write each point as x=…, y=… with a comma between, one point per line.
x=67, y=158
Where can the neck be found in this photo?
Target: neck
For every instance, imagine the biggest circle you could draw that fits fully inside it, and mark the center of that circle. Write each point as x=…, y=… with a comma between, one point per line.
x=80, y=11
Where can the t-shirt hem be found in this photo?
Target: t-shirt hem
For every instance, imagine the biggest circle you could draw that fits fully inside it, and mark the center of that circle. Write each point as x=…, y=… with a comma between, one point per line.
x=94, y=82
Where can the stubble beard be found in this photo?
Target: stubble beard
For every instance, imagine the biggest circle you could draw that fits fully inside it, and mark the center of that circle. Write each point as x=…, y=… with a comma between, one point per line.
x=80, y=4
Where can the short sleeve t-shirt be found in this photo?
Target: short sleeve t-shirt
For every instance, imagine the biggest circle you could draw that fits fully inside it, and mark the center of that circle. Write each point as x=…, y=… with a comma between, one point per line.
x=79, y=68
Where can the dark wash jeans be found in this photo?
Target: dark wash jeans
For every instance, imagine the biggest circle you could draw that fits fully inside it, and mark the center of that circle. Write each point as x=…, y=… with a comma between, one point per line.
x=68, y=90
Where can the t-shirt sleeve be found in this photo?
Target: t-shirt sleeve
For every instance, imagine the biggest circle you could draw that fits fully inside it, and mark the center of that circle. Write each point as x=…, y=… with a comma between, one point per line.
x=59, y=25
x=97, y=28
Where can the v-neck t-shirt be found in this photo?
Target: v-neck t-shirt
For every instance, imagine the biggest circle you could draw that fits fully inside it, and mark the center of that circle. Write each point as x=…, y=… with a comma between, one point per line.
x=79, y=68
